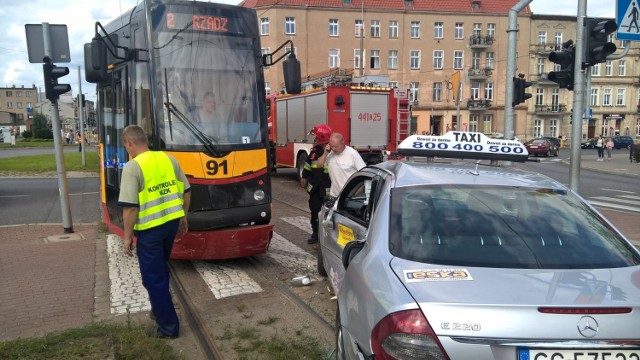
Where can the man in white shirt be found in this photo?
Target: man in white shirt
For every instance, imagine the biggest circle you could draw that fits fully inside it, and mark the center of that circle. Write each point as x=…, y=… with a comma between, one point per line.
x=341, y=160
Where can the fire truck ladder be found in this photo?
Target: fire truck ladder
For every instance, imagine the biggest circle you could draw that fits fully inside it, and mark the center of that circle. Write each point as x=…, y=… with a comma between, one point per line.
x=336, y=76
x=404, y=115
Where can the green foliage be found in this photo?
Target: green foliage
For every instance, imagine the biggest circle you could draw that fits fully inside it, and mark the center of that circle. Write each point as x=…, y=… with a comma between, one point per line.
x=47, y=162
x=41, y=128
x=27, y=134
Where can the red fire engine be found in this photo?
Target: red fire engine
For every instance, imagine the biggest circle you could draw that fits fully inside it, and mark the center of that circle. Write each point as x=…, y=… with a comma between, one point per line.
x=373, y=120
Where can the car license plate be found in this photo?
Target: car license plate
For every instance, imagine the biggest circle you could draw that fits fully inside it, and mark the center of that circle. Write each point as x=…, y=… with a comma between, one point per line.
x=534, y=146
x=578, y=354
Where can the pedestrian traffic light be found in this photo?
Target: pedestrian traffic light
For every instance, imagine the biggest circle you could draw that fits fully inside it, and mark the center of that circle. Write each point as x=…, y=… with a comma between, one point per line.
x=51, y=75
x=519, y=86
x=597, y=46
x=566, y=59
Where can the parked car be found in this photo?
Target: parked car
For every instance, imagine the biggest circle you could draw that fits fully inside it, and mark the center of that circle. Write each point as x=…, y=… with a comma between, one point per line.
x=464, y=260
x=554, y=140
x=622, y=142
x=542, y=146
x=589, y=144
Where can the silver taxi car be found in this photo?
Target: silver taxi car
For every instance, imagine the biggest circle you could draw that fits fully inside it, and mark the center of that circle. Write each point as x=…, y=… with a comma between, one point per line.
x=464, y=260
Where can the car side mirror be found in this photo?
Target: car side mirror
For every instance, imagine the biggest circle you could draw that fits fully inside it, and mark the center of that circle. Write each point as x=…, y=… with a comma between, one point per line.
x=350, y=251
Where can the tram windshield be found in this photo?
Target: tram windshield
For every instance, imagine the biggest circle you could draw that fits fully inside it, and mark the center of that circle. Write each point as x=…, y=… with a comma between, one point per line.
x=207, y=68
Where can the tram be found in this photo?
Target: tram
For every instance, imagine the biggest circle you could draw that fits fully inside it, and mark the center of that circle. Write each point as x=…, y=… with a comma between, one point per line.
x=190, y=73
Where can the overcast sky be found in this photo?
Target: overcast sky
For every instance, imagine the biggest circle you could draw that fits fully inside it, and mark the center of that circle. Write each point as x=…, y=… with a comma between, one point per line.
x=80, y=17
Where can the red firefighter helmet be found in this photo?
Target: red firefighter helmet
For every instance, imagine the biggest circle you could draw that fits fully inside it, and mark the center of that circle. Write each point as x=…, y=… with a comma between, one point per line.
x=322, y=132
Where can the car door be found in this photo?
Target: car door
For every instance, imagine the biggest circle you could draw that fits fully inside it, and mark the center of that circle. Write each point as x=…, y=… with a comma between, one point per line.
x=347, y=220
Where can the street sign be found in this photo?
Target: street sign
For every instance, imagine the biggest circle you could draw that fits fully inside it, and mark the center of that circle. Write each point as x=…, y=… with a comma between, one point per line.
x=59, y=43
x=627, y=18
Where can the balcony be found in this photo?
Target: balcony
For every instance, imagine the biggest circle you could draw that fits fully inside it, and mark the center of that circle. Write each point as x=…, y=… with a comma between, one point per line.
x=557, y=109
x=543, y=79
x=478, y=105
x=480, y=42
x=479, y=74
x=546, y=48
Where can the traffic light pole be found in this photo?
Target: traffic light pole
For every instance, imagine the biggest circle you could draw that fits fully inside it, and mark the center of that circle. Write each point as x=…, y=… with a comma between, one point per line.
x=57, y=142
x=578, y=98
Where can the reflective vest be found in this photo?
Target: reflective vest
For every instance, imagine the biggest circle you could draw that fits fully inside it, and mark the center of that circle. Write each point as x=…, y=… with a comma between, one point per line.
x=161, y=197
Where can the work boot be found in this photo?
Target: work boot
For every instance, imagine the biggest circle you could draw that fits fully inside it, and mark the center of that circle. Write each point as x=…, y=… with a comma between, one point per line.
x=312, y=240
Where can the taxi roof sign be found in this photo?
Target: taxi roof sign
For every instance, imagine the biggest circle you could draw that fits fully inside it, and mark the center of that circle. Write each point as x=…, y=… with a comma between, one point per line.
x=463, y=145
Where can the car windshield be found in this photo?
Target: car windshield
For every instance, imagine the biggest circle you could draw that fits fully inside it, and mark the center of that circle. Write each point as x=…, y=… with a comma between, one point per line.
x=502, y=227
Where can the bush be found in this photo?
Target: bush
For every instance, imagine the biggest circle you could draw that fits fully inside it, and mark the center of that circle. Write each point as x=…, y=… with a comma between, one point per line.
x=27, y=134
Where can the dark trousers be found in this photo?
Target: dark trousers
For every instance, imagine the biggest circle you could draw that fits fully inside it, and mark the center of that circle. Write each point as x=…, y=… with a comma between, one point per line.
x=316, y=200
x=153, y=248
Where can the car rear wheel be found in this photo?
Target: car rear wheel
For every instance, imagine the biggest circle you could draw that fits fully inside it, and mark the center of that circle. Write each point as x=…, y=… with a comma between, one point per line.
x=339, y=344
x=321, y=270
x=556, y=153
x=548, y=153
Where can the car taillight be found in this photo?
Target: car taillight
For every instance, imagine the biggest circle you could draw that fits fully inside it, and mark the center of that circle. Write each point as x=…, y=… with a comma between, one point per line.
x=406, y=335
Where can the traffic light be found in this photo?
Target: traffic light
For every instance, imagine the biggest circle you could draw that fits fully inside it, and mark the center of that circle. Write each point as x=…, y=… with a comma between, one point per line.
x=51, y=75
x=597, y=48
x=566, y=59
x=519, y=86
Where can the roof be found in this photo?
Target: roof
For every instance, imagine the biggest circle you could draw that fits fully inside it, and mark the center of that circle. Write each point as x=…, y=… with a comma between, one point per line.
x=485, y=6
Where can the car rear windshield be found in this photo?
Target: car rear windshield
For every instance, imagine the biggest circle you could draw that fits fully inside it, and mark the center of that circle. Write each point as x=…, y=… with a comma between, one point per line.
x=503, y=227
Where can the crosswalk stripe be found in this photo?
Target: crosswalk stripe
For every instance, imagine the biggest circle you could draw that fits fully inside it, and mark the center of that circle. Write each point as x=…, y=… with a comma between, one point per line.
x=615, y=200
x=630, y=197
x=224, y=278
x=614, y=206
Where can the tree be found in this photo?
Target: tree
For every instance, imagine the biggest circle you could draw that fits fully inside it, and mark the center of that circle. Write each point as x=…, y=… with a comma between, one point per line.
x=40, y=128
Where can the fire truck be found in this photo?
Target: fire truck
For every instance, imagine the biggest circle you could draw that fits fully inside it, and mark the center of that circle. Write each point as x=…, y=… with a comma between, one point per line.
x=372, y=119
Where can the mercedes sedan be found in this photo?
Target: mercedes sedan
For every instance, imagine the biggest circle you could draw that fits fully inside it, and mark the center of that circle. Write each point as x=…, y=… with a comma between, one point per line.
x=439, y=259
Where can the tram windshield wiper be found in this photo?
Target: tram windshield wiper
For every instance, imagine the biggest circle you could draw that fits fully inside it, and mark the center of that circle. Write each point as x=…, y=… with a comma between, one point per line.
x=205, y=139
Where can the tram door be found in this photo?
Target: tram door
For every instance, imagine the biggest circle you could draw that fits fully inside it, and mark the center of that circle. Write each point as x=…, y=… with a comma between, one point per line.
x=113, y=116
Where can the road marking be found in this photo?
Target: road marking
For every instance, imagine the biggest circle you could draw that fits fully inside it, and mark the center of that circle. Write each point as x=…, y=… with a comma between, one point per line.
x=224, y=278
x=86, y=193
x=615, y=190
x=14, y=196
x=616, y=200
x=614, y=206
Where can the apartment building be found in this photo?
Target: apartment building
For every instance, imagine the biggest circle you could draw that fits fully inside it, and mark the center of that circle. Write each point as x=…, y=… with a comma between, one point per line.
x=612, y=102
x=418, y=45
x=17, y=104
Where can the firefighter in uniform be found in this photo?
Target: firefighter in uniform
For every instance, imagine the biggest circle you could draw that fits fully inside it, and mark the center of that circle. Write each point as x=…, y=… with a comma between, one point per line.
x=316, y=179
x=155, y=197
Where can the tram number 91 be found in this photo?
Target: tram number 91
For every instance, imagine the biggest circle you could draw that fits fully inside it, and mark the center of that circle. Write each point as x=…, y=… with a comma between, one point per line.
x=505, y=149
x=213, y=167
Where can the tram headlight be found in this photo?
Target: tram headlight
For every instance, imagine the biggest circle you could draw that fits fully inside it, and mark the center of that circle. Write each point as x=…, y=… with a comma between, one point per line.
x=258, y=195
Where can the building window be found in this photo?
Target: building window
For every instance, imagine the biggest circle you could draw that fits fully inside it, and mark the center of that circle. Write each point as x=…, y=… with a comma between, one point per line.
x=540, y=66
x=414, y=59
x=267, y=87
x=595, y=70
x=290, y=26
x=264, y=51
x=475, y=90
x=264, y=26
x=356, y=58
x=608, y=68
x=438, y=59
x=359, y=28
x=594, y=97
x=393, y=29
x=622, y=67
x=558, y=40
x=473, y=123
x=475, y=60
x=334, y=58
x=491, y=30
x=620, y=97
x=555, y=99
x=438, y=31
x=19, y=104
x=637, y=127
x=538, y=125
x=29, y=93
x=414, y=89
x=375, y=59
x=553, y=127
x=415, y=29
x=477, y=29
x=490, y=60
x=18, y=93
x=459, y=31
x=488, y=91
x=393, y=84
x=375, y=28
x=542, y=37
x=606, y=97
x=8, y=93
x=437, y=91
x=539, y=96
x=333, y=27
x=9, y=105
x=393, y=59
x=487, y=124
x=29, y=105
x=458, y=59
x=623, y=43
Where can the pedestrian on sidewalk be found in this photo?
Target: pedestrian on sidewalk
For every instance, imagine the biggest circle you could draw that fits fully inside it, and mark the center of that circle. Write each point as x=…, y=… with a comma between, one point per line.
x=600, y=148
x=609, y=146
x=155, y=196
